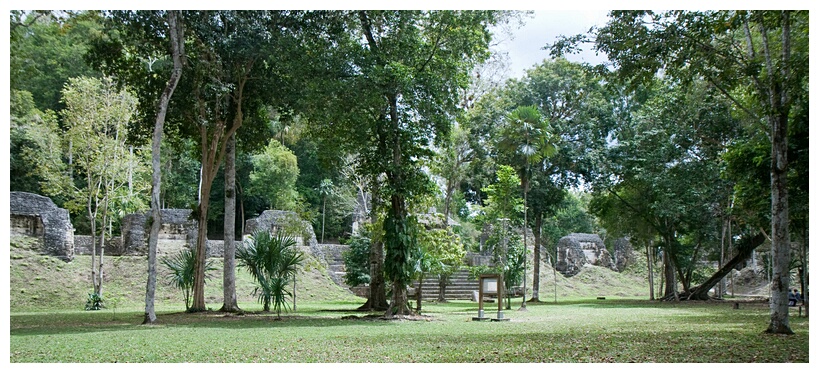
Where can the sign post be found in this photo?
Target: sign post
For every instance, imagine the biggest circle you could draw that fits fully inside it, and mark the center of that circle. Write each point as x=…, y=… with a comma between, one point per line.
x=490, y=284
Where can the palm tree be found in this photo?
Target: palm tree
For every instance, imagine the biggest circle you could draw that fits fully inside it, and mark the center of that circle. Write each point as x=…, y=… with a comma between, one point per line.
x=181, y=276
x=326, y=189
x=526, y=139
x=273, y=262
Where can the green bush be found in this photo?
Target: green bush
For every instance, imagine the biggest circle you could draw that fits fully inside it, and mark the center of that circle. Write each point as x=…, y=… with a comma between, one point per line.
x=273, y=262
x=357, y=260
x=181, y=275
x=94, y=302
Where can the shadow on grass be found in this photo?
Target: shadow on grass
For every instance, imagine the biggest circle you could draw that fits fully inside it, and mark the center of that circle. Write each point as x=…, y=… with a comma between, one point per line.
x=75, y=323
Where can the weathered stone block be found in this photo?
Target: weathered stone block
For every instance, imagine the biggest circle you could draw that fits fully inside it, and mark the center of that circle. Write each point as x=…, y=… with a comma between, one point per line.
x=177, y=225
x=578, y=249
x=38, y=216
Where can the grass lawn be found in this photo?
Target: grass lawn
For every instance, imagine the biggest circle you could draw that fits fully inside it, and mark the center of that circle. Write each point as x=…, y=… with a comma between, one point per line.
x=571, y=331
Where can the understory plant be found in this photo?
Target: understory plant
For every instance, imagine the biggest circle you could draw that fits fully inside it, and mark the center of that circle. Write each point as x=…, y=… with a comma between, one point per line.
x=272, y=261
x=94, y=302
x=181, y=267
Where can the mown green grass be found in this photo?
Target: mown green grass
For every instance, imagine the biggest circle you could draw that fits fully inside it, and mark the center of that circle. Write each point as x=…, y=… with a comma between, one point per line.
x=577, y=331
x=47, y=323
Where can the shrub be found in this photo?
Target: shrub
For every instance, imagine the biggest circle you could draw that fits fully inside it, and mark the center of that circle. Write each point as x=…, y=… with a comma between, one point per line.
x=273, y=262
x=94, y=302
x=181, y=276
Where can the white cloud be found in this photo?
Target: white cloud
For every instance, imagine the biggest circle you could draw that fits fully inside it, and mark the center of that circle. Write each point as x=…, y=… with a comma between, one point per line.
x=526, y=50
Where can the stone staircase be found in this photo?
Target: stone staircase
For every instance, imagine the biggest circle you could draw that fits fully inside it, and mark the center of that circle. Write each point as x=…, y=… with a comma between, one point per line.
x=333, y=255
x=459, y=287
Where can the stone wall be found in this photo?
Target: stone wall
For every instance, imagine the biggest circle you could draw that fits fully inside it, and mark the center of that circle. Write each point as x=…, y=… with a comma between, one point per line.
x=38, y=216
x=578, y=249
x=275, y=220
x=177, y=225
x=82, y=245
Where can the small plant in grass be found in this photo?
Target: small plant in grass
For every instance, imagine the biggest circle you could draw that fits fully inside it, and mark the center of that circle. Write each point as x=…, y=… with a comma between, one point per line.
x=181, y=276
x=273, y=262
x=94, y=302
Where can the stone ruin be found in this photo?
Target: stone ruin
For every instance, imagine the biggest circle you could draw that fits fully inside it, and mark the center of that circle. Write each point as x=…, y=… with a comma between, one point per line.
x=37, y=216
x=328, y=254
x=623, y=254
x=578, y=249
x=177, y=230
x=275, y=220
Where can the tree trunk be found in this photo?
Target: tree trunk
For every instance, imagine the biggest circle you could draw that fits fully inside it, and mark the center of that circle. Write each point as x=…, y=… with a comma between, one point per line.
x=198, y=304
x=323, y=214
x=175, y=34
x=536, y=266
x=377, y=300
x=721, y=288
x=398, y=306
x=93, y=221
x=442, y=282
x=525, y=247
x=102, y=253
x=803, y=275
x=229, y=268
x=650, y=260
x=418, y=294
x=778, y=122
x=669, y=272
x=396, y=251
x=214, y=147
x=745, y=250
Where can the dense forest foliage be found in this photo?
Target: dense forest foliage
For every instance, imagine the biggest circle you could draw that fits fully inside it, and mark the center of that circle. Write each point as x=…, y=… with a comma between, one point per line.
x=691, y=141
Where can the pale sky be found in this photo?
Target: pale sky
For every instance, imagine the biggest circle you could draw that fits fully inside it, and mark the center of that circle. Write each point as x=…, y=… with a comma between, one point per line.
x=546, y=25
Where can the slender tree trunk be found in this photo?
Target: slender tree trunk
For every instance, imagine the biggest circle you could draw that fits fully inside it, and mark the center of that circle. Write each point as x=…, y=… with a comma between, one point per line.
x=198, y=303
x=102, y=252
x=536, y=266
x=93, y=221
x=214, y=148
x=419, y=295
x=662, y=278
x=176, y=35
x=804, y=271
x=721, y=288
x=229, y=267
x=525, y=247
x=650, y=260
x=554, y=273
x=780, y=235
x=323, y=214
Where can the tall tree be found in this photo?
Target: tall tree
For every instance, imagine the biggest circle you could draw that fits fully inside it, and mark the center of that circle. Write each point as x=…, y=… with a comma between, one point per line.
x=135, y=49
x=406, y=72
x=176, y=34
x=239, y=70
x=524, y=141
x=97, y=115
x=229, y=302
x=739, y=52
